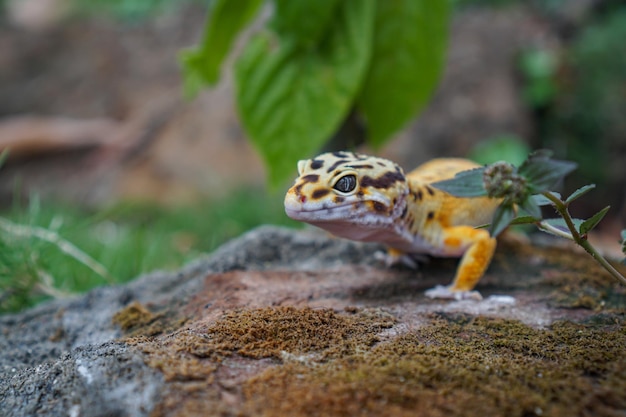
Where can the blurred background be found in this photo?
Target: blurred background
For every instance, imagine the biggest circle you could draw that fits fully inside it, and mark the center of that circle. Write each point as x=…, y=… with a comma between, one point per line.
x=108, y=157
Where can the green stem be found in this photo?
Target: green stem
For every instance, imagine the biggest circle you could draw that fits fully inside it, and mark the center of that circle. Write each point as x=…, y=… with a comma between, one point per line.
x=582, y=241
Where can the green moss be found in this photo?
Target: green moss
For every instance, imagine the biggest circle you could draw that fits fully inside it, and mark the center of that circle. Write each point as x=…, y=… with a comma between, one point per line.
x=137, y=320
x=457, y=366
x=268, y=332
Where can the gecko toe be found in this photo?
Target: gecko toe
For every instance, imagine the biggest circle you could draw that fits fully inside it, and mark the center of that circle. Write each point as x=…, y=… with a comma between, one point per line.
x=445, y=292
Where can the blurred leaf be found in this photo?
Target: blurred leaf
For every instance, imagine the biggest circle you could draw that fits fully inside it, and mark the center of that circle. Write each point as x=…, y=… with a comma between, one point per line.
x=542, y=200
x=464, y=184
x=542, y=172
x=593, y=221
x=579, y=193
x=407, y=59
x=589, y=119
x=503, y=216
x=291, y=99
x=539, y=68
x=201, y=65
x=531, y=207
x=305, y=21
x=523, y=220
x=3, y=157
x=509, y=148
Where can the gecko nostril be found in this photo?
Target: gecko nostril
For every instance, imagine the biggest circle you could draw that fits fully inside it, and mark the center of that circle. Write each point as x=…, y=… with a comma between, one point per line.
x=303, y=199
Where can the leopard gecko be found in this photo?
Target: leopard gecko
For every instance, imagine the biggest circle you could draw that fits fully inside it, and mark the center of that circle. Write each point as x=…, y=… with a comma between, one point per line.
x=367, y=198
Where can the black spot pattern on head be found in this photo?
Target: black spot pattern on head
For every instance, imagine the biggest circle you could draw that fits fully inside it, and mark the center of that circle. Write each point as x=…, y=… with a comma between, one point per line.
x=384, y=181
x=340, y=154
x=317, y=163
x=430, y=190
x=306, y=179
x=319, y=193
x=378, y=206
x=339, y=199
x=335, y=165
x=310, y=178
x=405, y=211
x=430, y=215
x=360, y=166
x=419, y=195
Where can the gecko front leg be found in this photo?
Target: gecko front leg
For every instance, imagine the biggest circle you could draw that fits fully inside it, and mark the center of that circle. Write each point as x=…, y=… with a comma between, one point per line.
x=479, y=248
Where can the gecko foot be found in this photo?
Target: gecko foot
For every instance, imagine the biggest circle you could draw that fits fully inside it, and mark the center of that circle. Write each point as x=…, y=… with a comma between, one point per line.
x=445, y=292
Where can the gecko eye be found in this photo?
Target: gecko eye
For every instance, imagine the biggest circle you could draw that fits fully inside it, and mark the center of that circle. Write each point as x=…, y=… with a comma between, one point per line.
x=346, y=184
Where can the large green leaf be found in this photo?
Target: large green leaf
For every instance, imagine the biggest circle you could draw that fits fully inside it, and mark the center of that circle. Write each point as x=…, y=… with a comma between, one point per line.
x=201, y=65
x=306, y=21
x=408, y=54
x=291, y=99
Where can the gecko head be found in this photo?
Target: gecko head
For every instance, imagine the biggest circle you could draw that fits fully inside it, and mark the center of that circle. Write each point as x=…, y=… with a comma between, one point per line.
x=344, y=192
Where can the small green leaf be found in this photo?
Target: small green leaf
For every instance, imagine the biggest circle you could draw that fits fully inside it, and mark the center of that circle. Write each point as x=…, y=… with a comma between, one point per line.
x=559, y=223
x=291, y=99
x=520, y=220
x=542, y=173
x=408, y=54
x=579, y=193
x=523, y=220
x=503, y=216
x=531, y=207
x=542, y=200
x=464, y=184
x=593, y=221
x=201, y=65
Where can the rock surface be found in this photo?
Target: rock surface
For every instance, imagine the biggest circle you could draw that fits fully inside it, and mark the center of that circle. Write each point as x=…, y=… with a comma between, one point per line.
x=282, y=322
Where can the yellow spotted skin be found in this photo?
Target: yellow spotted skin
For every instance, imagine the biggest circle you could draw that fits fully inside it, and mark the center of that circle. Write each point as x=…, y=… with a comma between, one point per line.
x=367, y=198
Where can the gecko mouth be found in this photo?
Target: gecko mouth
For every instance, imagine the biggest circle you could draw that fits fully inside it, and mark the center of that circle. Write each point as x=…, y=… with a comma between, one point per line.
x=321, y=213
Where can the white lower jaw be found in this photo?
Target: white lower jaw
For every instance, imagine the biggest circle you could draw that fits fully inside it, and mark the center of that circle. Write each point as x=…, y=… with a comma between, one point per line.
x=341, y=213
x=347, y=223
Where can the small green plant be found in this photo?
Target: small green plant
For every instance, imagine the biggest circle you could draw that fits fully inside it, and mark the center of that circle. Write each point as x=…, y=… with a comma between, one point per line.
x=316, y=63
x=50, y=250
x=523, y=191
